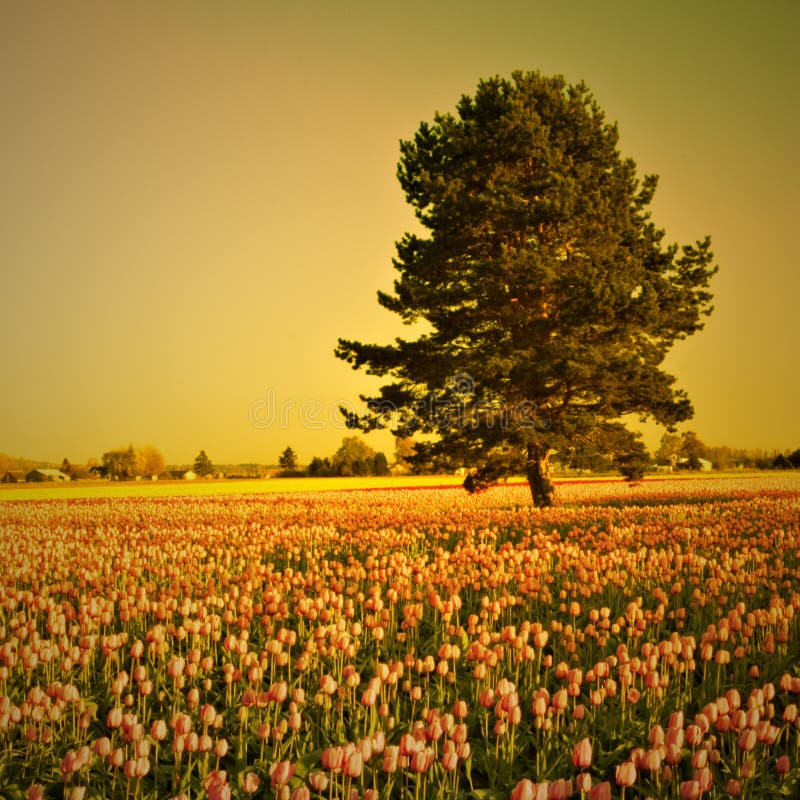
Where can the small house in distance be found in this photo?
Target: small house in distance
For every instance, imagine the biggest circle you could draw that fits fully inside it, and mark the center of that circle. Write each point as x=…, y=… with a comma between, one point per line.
x=182, y=475
x=13, y=476
x=42, y=475
x=701, y=464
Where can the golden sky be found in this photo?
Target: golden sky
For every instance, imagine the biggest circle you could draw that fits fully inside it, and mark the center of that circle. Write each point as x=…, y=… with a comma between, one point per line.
x=198, y=198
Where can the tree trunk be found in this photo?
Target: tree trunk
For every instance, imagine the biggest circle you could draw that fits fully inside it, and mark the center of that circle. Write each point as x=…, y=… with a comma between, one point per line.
x=538, y=471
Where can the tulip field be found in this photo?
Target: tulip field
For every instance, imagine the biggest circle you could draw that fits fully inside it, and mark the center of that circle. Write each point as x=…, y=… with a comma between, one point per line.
x=404, y=644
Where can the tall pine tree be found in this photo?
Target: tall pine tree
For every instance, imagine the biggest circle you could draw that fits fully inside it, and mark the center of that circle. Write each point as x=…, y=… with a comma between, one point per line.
x=203, y=465
x=288, y=459
x=549, y=296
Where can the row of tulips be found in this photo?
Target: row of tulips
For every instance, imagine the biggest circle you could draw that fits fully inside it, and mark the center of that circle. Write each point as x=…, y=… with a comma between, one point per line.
x=632, y=642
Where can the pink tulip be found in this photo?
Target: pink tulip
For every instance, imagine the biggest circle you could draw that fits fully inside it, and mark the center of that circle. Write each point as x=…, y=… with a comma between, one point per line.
x=391, y=756
x=460, y=709
x=421, y=760
x=319, y=781
x=656, y=736
x=690, y=790
x=559, y=789
x=102, y=747
x=354, y=765
x=208, y=714
x=221, y=748
x=183, y=723
x=332, y=758
x=250, y=782
x=280, y=773
x=450, y=760
x=694, y=735
x=600, y=791
x=747, y=741
x=69, y=763
x=733, y=787
x=220, y=791
x=652, y=760
x=158, y=730
x=278, y=692
x=114, y=718
x=524, y=790
x=626, y=774
x=582, y=753
x=704, y=778
x=378, y=742
x=673, y=754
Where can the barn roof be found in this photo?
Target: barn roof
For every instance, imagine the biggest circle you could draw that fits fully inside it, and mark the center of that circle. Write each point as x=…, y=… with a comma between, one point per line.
x=51, y=473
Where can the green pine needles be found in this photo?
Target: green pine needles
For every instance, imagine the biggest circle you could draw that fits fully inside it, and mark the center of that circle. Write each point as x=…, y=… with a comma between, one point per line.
x=549, y=295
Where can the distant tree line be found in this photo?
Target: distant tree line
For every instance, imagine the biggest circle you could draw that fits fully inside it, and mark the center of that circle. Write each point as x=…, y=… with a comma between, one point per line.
x=354, y=457
x=684, y=451
x=679, y=452
x=127, y=463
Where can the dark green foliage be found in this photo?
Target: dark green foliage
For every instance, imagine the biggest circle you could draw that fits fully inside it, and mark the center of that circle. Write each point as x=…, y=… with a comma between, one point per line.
x=288, y=459
x=692, y=450
x=380, y=465
x=550, y=297
x=632, y=461
x=202, y=465
x=319, y=467
x=354, y=457
x=589, y=460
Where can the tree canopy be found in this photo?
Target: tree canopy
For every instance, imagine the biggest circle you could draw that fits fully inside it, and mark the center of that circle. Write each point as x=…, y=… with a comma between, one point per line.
x=125, y=463
x=288, y=459
x=203, y=465
x=548, y=296
x=119, y=464
x=149, y=461
x=354, y=457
